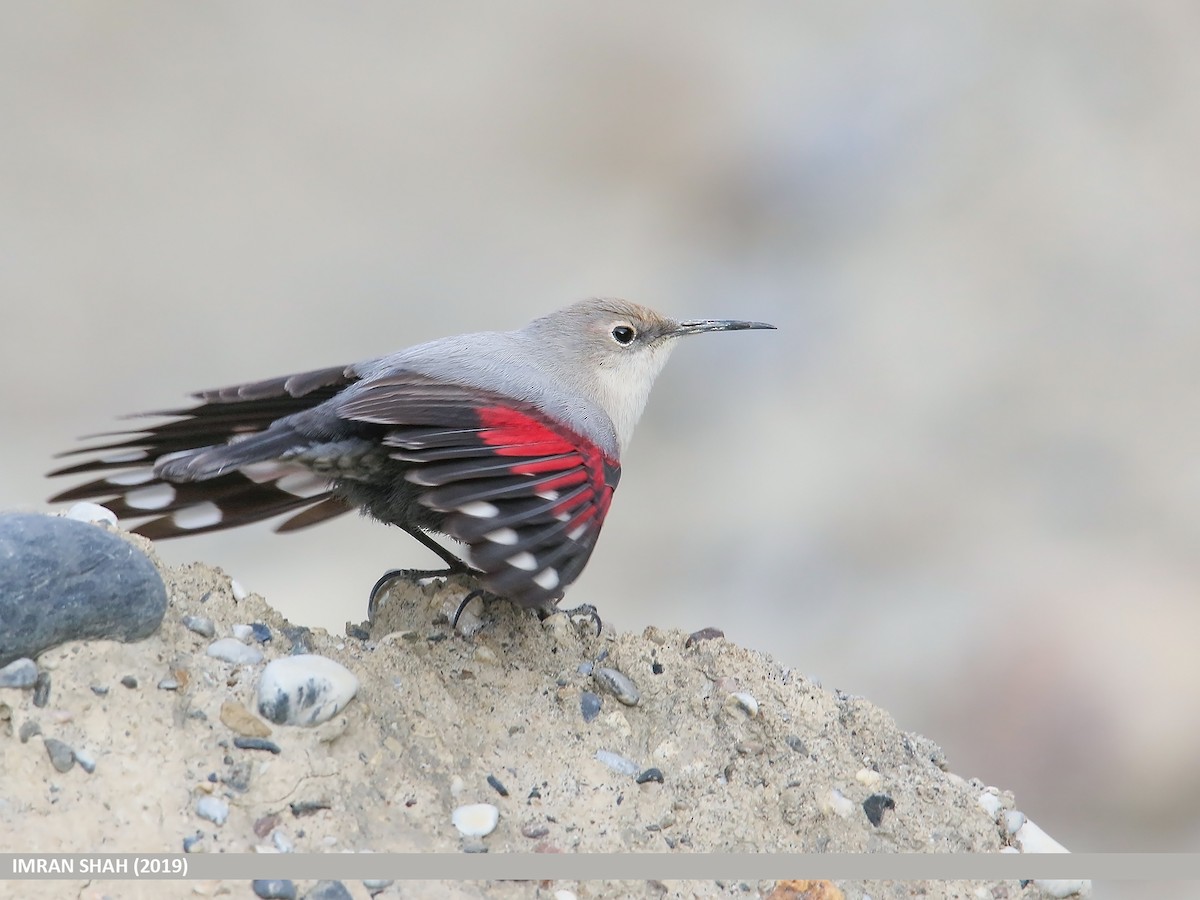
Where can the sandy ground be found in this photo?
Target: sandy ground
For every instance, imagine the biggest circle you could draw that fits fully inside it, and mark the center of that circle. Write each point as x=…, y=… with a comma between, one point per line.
x=438, y=712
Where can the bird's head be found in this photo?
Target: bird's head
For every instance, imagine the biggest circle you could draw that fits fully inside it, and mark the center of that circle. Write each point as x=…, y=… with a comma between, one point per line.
x=612, y=350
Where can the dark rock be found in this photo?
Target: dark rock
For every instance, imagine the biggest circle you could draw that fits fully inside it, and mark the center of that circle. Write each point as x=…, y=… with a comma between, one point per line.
x=63, y=580
x=589, y=705
x=200, y=625
x=41, y=690
x=28, y=729
x=497, y=785
x=253, y=743
x=651, y=774
x=261, y=632
x=129, y=681
x=876, y=805
x=62, y=757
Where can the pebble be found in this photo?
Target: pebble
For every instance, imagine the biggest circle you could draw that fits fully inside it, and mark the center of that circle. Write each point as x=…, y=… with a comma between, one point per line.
x=168, y=684
x=65, y=580
x=867, y=777
x=304, y=690
x=875, y=806
x=130, y=682
x=86, y=761
x=253, y=743
x=836, y=803
x=282, y=842
x=212, y=808
x=62, y=757
x=329, y=890
x=231, y=650
x=192, y=840
x=476, y=819
x=239, y=592
x=201, y=625
x=375, y=885
x=497, y=785
x=618, y=763
x=100, y=690
x=237, y=718
x=20, y=673
x=589, y=705
x=618, y=684
x=243, y=633
x=651, y=774
x=991, y=804
x=260, y=632
x=91, y=513
x=300, y=638
x=1013, y=821
x=28, y=729
x=274, y=888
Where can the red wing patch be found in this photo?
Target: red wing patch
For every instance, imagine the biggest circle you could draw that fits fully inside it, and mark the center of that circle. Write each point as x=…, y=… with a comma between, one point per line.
x=527, y=496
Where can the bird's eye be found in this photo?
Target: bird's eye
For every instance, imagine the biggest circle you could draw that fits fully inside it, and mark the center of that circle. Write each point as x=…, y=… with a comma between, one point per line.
x=623, y=334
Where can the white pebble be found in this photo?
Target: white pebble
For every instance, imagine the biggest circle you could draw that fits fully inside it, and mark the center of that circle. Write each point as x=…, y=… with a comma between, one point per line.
x=234, y=651
x=212, y=808
x=304, y=690
x=836, y=803
x=91, y=512
x=1014, y=821
x=476, y=819
x=990, y=803
x=1031, y=839
x=282, y=842
x=86, y=761
x=239, y=592
x=618, y=763
x=564, y=894
x=867, y=777
x=243, y=633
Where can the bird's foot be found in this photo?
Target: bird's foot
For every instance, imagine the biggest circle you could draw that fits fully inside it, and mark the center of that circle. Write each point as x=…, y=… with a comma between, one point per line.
x=412, y=575
x=584, y=610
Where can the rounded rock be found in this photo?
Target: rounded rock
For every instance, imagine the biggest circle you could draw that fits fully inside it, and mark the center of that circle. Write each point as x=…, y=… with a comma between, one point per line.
x=20, y=673
x=618, y=684
x=618, y=763
x=274, y=888
x=589, y=705
x=63, y=580
x=62, y=757
x=92, y=513
x=201, y=625
x=234, y=651
x=212, y=808
x=476, y=819
x=304, y=690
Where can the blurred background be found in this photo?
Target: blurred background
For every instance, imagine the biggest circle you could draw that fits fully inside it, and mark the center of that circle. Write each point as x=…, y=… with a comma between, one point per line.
x=961, y=480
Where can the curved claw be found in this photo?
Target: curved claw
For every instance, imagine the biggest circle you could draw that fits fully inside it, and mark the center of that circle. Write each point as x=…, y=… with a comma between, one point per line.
x=584, y=609
x=392, y=575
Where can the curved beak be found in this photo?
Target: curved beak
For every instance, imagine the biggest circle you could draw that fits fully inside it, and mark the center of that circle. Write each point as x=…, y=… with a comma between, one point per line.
x=699, y=326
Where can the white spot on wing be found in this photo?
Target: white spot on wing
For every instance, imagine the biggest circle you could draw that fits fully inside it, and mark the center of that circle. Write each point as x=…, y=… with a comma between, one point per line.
x=263, y=471
x=127, y=456
x=480, y=509
x=137, y=476
x=523, y=560
x=549, y=495
x=506, y=536
x=546, y=579
x=303, y=484
x=157, y=496
x=576, y=533
x=199, y=515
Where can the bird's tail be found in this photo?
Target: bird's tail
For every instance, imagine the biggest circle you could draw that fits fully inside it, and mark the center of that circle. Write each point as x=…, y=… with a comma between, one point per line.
x=217, y=465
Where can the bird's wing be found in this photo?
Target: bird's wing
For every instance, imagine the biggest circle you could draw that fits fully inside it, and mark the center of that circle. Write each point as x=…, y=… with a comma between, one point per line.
x=525, y=494
x=237, y=418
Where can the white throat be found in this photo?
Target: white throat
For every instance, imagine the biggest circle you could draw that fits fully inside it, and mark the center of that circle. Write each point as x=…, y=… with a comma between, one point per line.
x=623, y=386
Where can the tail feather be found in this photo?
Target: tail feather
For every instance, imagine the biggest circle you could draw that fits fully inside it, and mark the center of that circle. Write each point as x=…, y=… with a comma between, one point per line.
x=220, y=464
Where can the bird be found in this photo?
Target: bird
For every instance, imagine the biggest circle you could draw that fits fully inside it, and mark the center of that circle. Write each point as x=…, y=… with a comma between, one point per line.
x=508, y=442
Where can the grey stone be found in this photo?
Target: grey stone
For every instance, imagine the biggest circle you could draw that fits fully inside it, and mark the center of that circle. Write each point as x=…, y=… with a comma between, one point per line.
x=63, y=580
x=62, y=757
x=329, y=890
x=20, y=673
x=274, y=888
